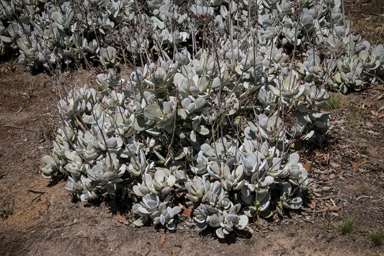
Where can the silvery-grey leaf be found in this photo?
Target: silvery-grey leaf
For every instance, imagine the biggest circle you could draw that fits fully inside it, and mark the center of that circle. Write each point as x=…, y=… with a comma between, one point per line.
x=162, y=219
x=214, y=220
x=220, y=233
x=143, y=211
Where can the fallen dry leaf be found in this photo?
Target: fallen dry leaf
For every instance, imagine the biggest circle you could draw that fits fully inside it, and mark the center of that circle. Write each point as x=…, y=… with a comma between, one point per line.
x=354, y=165
x=308, y=166
x=326, y=157
x=369, y=124
x=187, y=212
x=341, y=175
x=162, y=240
x=121, y=219
x=334, y=208
x=348, y=177
x=4, y=69
x=329, y=208
x=330, y=181
x=345, y=146
x=322, y=176
x=313, y=241
x=374, y=113
x=312, y=205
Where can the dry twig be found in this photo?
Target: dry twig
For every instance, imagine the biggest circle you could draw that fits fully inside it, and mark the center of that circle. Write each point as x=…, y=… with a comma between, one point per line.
x=18, y=127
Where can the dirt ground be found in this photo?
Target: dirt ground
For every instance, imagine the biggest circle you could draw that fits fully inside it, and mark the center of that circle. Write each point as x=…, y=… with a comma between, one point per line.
x=347, y=182
x=347, y=174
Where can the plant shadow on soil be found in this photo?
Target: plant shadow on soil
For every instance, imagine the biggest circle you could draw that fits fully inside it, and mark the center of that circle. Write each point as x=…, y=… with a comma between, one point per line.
x=232, y=238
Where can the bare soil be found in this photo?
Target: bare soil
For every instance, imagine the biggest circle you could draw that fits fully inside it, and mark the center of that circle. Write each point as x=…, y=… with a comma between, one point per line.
x=347, y=174
x=367, y=17
x=347, y=181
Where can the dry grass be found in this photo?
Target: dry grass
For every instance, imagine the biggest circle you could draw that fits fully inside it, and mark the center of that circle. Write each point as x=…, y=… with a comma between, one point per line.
x=347, y=226
x=377, y=237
